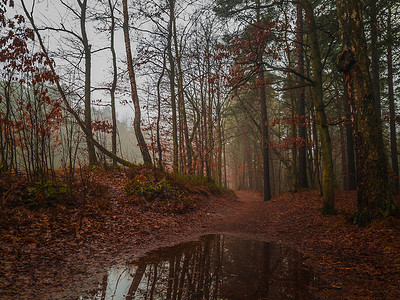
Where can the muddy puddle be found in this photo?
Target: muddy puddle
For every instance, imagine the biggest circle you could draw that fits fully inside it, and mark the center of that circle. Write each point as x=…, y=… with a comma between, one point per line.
x=214, y=267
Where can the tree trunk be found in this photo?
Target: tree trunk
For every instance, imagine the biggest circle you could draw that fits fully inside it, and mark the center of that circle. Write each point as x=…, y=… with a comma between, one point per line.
x=86, y=131
x=224, y=156
x=160, y=151
x=301, y=106
x=323, y=129
x=374, y=201
x=265, y=135
x=137, y=278
x=209, y=120
x=392, y=110
x=351, y=166
x=204, y=139
x=316, y=154
x=264, y=117
x=172, y=90
x=295, y=178
x=88, y=67
x=134, y=94
x=181, y=99
x=343, y=157
x=114, y=83
x=219, y=137
x=375, y=56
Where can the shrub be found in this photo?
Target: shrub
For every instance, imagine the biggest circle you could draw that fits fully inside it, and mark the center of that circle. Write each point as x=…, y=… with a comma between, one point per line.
x=48, y=192
x=166, y=194
x=146, y=189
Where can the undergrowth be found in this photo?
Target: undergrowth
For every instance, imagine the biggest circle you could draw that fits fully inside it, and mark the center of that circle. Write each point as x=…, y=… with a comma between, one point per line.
x=68, y=205
x=179, y=193
x=32, y=209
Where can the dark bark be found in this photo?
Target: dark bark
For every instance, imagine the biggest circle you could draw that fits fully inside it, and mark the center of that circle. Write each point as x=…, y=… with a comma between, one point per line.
x=155, y=279
x=375, y=55
x=172, y=90
x=265, y=137
x=160, y=151
x=374, y=201
x=137, y=278
x=219, y=137
x=302, y=174
x=209, y=120
x=204, y=137
x=343, y=159
x=184, y=274
x=264, y=117
x=392, y=109
x=293, y=126
x=323, y=129
x=349, y=123
x=134, y=94
x=295, y=177
x=114, y=82
x=88, y=67
x=224, y=158
x=181, y=100
x=246, y=163
x=316, y=152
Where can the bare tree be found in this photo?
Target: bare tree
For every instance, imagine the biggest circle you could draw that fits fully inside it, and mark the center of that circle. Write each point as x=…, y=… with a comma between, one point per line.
x=134, y=93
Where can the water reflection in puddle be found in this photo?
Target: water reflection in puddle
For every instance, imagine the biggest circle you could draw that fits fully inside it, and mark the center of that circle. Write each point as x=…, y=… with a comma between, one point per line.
x=215, y=267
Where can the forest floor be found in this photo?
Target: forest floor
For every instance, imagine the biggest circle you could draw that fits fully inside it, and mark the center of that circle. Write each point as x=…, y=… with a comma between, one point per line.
x=45, y=257
x=354, y=263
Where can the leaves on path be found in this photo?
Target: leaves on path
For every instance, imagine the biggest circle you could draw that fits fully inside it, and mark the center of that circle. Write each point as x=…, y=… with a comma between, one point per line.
x=49, y=245
x=48, y=249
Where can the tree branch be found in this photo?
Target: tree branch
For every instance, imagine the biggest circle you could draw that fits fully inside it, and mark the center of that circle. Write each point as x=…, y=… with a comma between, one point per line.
x=88, y=134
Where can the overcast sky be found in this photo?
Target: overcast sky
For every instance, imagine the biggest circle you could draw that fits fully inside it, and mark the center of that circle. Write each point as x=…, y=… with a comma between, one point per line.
x=53, y=14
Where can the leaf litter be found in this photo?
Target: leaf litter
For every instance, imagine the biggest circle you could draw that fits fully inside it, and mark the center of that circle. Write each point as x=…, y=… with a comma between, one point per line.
x=46, y=251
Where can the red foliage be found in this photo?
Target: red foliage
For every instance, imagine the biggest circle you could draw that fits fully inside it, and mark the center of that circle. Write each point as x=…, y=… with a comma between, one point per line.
x=27, y=79
x=102, y=126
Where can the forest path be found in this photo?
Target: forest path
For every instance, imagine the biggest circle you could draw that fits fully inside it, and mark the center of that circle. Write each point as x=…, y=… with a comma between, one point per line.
x=248, y=216
x=355, y=263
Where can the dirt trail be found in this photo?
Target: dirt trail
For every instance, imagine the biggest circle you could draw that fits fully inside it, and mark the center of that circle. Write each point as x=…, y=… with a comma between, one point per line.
x=356, y=263
x=246, y=216
x=250, y=216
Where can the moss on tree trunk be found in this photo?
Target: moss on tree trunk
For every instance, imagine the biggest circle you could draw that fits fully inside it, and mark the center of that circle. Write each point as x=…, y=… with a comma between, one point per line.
x=323, y=129
x=373, y=191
